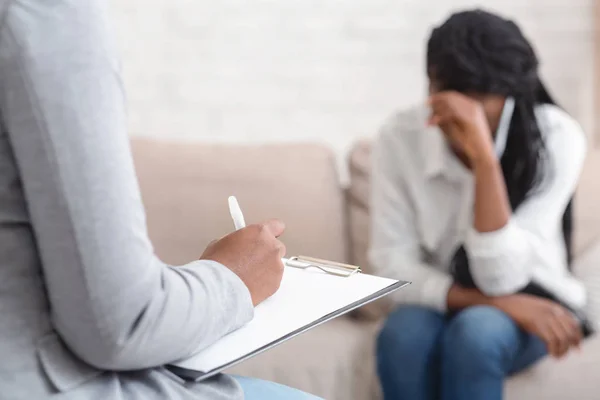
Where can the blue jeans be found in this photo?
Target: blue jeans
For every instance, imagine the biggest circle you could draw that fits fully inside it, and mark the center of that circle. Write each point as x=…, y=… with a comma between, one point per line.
x=256, y=389
x=423, y=355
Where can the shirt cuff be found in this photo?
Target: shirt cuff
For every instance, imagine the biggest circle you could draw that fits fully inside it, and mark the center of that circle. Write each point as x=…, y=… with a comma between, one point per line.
x=490, y=243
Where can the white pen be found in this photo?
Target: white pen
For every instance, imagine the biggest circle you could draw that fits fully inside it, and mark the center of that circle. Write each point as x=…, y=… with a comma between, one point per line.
x=238, y=217
x=236, y=213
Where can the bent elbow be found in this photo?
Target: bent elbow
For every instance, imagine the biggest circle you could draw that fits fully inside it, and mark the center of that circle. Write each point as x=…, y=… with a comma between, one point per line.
x=502, y=285
x=501, y=279
x=102, y=351
x=100, y=354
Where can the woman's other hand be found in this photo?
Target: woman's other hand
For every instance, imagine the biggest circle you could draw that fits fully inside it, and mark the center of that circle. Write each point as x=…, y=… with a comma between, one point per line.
x=554, y=324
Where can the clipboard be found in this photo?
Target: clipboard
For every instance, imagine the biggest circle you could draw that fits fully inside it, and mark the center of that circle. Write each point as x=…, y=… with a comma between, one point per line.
x=315, y=282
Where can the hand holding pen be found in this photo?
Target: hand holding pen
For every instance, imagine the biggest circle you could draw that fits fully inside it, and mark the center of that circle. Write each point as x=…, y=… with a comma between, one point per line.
x=252, y=252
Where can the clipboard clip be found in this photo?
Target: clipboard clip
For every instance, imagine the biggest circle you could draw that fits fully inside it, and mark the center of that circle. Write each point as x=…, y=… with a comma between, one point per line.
x=329, y=267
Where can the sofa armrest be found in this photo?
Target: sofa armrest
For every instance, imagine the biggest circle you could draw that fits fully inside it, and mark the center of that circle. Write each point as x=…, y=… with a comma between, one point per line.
x=587, y=268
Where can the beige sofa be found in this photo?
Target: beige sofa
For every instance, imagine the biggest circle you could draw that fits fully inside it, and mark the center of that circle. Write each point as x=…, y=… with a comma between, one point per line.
x=185, y=187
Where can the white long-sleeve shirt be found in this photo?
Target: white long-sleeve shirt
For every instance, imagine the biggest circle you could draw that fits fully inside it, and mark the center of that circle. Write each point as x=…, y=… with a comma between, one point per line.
x=422, y=210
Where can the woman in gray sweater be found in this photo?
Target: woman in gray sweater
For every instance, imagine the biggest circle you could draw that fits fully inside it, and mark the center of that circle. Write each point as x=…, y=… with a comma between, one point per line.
x=88, y=311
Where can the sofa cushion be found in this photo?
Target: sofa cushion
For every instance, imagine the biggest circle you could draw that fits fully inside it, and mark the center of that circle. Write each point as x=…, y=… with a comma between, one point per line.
x=185, y=187
x=586, y=221
x=587, y=268
x=574, y=377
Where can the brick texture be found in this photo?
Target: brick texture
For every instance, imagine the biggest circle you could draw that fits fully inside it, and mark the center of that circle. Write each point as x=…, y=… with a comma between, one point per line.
x=325, y=70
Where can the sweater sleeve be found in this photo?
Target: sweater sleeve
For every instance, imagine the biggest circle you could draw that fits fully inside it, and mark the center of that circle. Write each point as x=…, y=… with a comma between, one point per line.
x=395, y=247
x=114, y=303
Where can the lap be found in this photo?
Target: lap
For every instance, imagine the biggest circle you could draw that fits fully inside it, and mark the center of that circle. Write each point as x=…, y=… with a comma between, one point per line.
x=410, y=335
x=483, y=323
x=257, y=389
x=479, y=331
x=487, y=331
x=413, y=322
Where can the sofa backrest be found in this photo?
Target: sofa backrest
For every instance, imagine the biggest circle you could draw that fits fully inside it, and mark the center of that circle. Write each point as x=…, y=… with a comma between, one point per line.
x=185, y=187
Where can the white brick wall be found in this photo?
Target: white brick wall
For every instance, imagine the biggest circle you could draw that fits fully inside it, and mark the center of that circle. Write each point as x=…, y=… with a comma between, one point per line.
x=327, y=70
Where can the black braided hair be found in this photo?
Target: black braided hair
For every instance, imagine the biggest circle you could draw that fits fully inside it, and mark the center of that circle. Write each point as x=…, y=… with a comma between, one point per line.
x=479, y=52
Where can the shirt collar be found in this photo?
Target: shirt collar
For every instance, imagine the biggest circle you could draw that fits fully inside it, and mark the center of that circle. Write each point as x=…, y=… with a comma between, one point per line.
x=439, y=157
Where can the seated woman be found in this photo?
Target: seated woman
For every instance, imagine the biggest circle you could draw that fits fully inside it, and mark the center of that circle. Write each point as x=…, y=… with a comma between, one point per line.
x=471, y=202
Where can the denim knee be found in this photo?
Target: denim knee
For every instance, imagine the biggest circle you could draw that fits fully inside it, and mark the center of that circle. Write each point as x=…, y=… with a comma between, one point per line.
x=409, y=329
x=408, y=353
x=478, y=333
